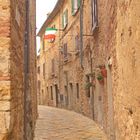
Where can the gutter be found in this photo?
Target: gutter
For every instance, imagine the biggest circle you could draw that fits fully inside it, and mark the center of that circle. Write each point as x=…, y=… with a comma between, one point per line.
x=81, y=34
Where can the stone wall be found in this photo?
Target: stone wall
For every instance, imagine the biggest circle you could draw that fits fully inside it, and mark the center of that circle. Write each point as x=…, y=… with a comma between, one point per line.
x=114, y=104
x=17, y=69
x=12, y=87
x=126, y=81
x=4, y=68
x=32, y=62
x=98, y=104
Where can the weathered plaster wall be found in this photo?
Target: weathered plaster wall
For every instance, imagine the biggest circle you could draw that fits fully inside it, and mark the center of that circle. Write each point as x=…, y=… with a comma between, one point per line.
x=127, y=87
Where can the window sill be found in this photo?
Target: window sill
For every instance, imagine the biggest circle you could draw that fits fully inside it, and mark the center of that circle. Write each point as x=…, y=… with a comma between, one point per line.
x=65, y=27
x=95, y=28
x=75, y=13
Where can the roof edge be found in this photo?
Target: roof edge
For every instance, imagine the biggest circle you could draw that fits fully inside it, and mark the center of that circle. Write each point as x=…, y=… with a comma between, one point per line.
x=52, y=15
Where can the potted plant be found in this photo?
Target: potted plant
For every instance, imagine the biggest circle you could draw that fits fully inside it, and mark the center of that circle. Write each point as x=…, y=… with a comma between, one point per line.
x=88, y=85
x=100, y=78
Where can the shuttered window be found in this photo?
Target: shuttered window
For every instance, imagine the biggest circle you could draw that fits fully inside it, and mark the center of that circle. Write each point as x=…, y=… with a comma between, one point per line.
x=94, y=14
x=65, y=19
x=38, y=69
x=43, y=44
x=77, y=90
x=51, y=93
x=65, y=51
x=53, y=66
x=38, y=85
x=75, y=4
x=44, y=70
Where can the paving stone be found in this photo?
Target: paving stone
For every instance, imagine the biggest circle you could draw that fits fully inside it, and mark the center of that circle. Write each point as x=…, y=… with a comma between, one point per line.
x=59, y=124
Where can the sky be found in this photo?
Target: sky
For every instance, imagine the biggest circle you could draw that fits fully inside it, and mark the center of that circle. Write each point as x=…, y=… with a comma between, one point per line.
x=43, y=7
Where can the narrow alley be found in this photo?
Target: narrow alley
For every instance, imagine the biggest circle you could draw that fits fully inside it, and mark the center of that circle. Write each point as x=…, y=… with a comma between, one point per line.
x=59, y=124
x=69, y=70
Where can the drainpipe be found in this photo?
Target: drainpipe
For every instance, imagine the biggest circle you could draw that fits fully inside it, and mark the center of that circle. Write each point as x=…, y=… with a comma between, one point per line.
x=81, y=34
x=91, y=69
x=26, y=67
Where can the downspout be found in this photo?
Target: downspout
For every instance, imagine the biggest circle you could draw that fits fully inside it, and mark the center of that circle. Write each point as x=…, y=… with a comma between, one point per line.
x=26, y=67
x=81, y=34
x=91, y=69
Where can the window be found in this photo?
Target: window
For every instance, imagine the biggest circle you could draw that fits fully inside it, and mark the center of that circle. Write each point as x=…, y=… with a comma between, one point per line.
x=51, y=93
x=77, y=43
x=47, y=91
x=94, y=14
x=44, y=70
x=43, y=44
x=42, y=92
x=39, y=85
x=38, y=69
x=71, y=87
x=61, y=97
x=77, y=90
x=66, y=90
x=65, y=49
x=65, y=19
x=53, y=66
x=88, y=85
x=75, y=6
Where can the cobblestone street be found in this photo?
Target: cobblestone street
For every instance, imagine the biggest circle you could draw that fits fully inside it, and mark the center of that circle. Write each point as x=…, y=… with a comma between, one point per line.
x=58, y=124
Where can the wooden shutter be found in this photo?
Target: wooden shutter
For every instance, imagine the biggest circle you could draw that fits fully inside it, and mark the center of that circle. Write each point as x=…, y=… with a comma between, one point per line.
x=43, y=44
x=44, y=70
x=63, y=21
x=66, y=16
x=65, y=50
x=77, y=88
x=72, y=7
x=79, y=2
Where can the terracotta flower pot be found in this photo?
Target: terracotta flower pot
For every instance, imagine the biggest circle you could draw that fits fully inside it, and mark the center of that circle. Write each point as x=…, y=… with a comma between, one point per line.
x=104, y=72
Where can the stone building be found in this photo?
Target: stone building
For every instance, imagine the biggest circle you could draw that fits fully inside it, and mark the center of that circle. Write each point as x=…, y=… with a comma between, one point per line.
x=18, y=106
x=93, y=75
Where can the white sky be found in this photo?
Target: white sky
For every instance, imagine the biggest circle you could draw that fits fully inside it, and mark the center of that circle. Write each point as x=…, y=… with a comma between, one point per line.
x=42, y=8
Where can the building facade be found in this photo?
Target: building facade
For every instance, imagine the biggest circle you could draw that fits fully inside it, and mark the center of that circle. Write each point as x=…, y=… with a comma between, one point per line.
x=83, y=69
x=18, y=106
